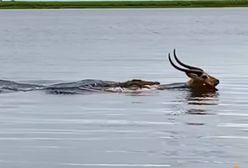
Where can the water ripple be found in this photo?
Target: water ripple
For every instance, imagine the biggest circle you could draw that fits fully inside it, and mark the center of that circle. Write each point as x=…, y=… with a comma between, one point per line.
x=234, y=125
x=114, y=165
x=87, y=122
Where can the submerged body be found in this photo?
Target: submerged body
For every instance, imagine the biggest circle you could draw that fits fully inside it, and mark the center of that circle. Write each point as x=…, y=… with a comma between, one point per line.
x=90, y=85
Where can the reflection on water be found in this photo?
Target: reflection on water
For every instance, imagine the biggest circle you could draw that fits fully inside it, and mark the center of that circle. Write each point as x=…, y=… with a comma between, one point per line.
x=198, y=101
x=202, y=98
x=201, y=95
x=160, y=128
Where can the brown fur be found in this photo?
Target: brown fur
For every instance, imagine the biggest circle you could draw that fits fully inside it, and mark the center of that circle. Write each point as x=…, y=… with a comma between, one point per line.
x=204, y=81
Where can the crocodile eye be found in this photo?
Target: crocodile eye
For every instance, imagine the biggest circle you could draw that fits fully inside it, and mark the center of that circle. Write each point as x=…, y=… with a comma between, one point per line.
x=204, y=77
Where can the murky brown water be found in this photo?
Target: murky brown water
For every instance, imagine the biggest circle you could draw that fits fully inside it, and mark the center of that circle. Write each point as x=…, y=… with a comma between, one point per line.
x=171, y=128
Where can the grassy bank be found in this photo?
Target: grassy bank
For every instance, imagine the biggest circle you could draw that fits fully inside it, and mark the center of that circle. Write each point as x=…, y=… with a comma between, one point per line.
x=125, y=4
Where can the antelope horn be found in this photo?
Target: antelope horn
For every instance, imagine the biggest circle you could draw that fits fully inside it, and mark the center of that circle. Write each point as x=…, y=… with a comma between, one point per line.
x=196, y=71
x=187, y=66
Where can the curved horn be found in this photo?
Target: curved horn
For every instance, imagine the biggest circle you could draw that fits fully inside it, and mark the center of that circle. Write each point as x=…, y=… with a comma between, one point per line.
x=187, y=66
x=184, y=70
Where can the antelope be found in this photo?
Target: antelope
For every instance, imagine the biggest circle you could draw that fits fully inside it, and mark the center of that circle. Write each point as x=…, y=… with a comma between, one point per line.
x=199, y=79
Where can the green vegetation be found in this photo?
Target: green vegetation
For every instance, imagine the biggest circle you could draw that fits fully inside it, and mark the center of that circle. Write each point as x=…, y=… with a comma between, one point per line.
x=123, y=4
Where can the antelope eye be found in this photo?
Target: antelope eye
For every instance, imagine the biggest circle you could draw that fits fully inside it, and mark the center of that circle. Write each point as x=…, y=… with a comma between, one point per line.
x=204, y=77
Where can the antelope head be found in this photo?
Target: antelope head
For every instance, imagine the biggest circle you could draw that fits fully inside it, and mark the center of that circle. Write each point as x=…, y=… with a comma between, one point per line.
x=199, y=79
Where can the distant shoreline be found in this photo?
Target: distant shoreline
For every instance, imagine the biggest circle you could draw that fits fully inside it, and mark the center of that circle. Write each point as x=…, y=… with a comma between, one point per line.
x=123, y=4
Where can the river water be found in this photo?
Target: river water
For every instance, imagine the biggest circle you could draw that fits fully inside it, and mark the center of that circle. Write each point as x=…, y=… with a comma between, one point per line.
x=169, y=128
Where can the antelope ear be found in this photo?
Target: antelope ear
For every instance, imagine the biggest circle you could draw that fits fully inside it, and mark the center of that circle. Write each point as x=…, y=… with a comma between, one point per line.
x=193, y=75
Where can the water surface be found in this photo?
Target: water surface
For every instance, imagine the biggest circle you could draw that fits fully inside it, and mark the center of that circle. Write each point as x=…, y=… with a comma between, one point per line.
x=170, y=128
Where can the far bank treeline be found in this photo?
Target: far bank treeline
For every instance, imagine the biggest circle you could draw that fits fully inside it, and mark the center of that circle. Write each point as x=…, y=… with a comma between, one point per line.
x=122, y=4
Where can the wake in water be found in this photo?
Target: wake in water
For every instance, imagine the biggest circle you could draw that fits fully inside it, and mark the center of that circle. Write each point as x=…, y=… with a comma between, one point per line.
x=10, y=86
x=89, y=85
